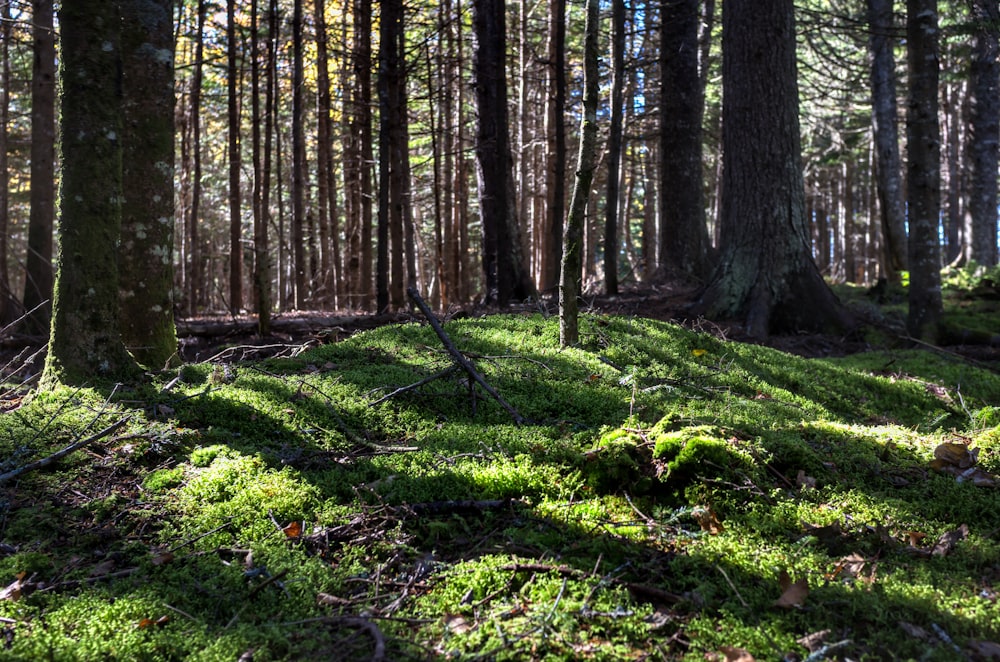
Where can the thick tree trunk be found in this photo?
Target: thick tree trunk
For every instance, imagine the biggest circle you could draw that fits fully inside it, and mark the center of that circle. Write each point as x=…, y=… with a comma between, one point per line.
x=85, y=342
x=569, y=280
x=765, y=275
x=684, y=242
x=38, y=265
x=888, y=168
x=984, y=132
x=147, y=239
x=923, y=174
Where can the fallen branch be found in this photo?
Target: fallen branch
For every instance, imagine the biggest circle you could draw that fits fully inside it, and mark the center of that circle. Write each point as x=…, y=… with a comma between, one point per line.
x=404, y=389
x=460, y=358
x=55, y=457
x=642, y=591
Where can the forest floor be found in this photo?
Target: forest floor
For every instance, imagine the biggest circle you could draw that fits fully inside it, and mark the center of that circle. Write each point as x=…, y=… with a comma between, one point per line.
x=345, y=490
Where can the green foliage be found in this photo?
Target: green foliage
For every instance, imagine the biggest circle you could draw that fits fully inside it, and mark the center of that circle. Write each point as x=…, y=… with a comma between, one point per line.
x=665, y=482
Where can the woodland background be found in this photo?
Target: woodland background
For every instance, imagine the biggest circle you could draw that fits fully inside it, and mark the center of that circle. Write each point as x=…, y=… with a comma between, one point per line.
x=280, y=106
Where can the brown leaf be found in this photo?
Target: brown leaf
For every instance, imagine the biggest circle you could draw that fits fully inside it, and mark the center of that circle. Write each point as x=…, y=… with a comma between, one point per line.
x=331, y=600
x=802, y=480
x=813, y=642
x=456, y=623
x=708, y=520
x=293, y=530
x=793, y=594
x=957, y=454
x=733, y=654
x=162, y=558
x=850, y=566
x=946, y=543
x=13, y=591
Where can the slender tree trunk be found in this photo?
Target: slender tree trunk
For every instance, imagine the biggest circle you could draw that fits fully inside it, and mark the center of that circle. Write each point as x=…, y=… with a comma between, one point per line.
x=325, y=188
x=569, y=280
x=363, y=127
x=888, y=168
x=298, y=238
x=85, y=341
x=615, y=139
x=555, y=170
x=923, y=175
x=261, y=262
x=38, y=267
x=196, y=287
x=984, y=132
x=8, y=304
x=235, y=165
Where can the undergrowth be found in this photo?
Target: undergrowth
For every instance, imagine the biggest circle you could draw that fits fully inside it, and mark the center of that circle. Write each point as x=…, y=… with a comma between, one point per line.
x=672, y=495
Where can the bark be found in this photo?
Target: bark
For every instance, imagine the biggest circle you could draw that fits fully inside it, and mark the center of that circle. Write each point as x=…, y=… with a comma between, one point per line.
x=984, y=124
x=7, y=302
x=147, y=239
x=298, y=162
x=325, y=182
x=389, y=277
x=194, y=271
x=888, y=168
x=615, y=139
x=504, y=267
x=38, y=265
x=765, y=274
x=923, y=174
x=85, y=341
x=569, y=281
x=261, y=268
x=555, y=132
x=235, y=164
x=684, y=242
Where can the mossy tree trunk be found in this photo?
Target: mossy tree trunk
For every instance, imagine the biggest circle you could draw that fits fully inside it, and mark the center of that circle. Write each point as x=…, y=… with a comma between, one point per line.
x=572, y=257
x=147, y=240
x=85, y=339
x=765, y=274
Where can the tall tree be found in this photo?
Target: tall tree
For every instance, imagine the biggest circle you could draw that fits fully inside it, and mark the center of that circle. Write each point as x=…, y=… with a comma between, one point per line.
x=38, y=265
x=984, y=134
x=147, y=238
x=235, y=163
x=85, y=340
x=261, y=261
x=765, y=274
x=298, y=159
x=504, y=266
x=7, y=301
x=194, y=271
x=572, y=253
x=326, y=189
x=555, y=131
x=888, y=165
x=615, y=139
x=684, y=242
x=923, y=172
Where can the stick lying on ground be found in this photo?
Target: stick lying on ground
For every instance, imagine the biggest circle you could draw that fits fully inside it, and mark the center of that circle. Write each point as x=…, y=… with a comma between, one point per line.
x=460, y=358
x=76, y=445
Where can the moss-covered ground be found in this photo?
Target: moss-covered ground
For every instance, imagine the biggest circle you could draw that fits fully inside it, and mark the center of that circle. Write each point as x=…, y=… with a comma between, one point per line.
x=671, y=496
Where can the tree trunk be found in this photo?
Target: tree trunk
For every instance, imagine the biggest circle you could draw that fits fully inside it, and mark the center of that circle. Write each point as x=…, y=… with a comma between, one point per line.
x=194, y=270
x=984, y=132
x=569, y=280
x=8, y=305
x=923, y=173
x=765, y=275
x=555, y=185
x=298, y=161
x=235, y=164
x=38, y=266
x=615, y=139
x=85, y=341
x=261, y=262
x=325, y=181
x=888, y=168
x=147, y=239
x=684, y=242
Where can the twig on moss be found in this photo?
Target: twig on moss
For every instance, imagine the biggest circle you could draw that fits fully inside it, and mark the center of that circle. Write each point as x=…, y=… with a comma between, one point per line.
x=58, y=455
x=404, y=389
x=460, y=358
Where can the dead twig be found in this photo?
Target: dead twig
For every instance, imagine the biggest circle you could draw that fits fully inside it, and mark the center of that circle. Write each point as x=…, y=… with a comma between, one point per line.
x=58, y=455
x=460, y=358
x=404, y=389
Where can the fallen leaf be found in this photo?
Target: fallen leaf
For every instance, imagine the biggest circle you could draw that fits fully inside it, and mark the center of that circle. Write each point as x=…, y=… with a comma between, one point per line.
x=13, y=591
x=331, y=600
x=802, y=480
x=456, y=623
x=957, y=454
x=149, y=622
x=162, y=559
x=914, y=631
x=793, y=594
x=733, y=654
x=293, y=530
x=813, y=642
x=850, y=566
x=699, y=352
x=708, y=520
x=946, y=543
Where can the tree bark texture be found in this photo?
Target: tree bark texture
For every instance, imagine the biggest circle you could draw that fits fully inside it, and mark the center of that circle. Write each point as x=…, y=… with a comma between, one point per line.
x=147, y=238
x=7, y=300
x=684, y=241
x=85, y=341
x=235, y=164
x=572, y=253
x=765, y=274
x=923, y=174
x=615, y=140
